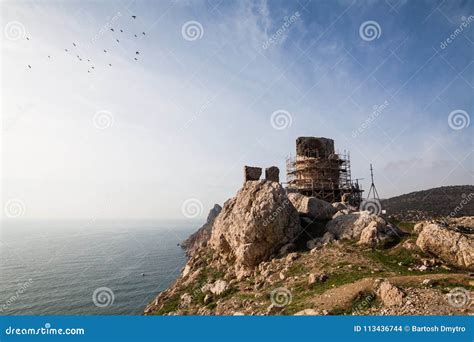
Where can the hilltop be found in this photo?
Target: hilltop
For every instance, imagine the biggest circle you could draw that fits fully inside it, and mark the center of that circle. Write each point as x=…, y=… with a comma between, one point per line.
x=453, y=201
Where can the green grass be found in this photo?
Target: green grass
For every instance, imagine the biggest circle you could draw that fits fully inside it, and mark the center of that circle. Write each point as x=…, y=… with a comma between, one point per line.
x=362, y=302
x=302, y=292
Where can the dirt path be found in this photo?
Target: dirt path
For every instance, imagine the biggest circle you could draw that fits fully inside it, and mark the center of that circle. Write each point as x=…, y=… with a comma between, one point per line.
x=343, y=296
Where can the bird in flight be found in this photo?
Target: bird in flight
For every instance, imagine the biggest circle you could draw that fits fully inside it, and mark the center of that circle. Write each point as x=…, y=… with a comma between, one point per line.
x=74, y=44
x=49, y=56
x=112, y=29
x=143, y=33
x=136, y=58
x=29, y=66
x=134, y=16
x=65, y=50
x=118, y=41
x=136, y=36
x=121, y=30
x=105, y=51
x=110, y=64
x=27, y=38
x=137, y=53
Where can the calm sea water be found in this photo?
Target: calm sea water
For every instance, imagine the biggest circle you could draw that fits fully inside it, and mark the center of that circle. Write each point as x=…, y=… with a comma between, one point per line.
x=52, y=268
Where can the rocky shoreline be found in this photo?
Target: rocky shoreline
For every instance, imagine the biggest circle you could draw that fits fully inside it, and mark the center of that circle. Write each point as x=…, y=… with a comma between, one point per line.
x=268, y=252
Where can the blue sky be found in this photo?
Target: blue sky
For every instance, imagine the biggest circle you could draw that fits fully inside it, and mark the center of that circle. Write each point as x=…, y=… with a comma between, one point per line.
x=139, y=138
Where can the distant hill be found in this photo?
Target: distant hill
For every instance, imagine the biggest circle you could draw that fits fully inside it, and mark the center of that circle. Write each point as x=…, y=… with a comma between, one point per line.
x=454, y=201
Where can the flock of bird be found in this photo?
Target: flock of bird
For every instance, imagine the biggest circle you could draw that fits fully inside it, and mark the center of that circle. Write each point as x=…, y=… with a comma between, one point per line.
x=92, y=67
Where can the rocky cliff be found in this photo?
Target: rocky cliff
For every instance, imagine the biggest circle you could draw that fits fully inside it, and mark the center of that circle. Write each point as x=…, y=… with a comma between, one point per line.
x=203, y=234
x=270, y=253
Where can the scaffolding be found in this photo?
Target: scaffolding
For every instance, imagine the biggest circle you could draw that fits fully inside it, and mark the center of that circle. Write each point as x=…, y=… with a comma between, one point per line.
x=320, y=172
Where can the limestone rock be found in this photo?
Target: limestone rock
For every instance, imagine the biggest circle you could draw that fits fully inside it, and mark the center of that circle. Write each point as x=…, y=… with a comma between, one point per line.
x=449, y=245
x=365, y=227
x=217, y=288
x=185, y=300
x=255, y=224
x=308, y=312
x=193, y=242
x=390, y=294
x=312, y=206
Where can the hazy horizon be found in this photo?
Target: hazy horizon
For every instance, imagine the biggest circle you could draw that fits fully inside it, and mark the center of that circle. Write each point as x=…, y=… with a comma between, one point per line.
x=219, y=85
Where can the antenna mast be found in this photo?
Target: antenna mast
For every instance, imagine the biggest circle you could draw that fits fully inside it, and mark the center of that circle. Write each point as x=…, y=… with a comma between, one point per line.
x=373, y=189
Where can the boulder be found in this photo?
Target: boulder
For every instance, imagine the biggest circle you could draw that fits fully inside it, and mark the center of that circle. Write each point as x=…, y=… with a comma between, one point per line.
x=365, y=227
x=390, y=294
x=255, y=224
x=312, y=206
x=203, y=234
x=343, y=206
x=217, y=288
x=449, y=245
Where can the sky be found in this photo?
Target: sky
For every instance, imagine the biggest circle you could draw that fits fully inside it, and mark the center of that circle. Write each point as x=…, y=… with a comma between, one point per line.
x=217, y=85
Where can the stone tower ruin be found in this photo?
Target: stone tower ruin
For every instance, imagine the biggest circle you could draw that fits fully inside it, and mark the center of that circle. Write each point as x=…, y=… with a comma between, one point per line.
x=318, y=171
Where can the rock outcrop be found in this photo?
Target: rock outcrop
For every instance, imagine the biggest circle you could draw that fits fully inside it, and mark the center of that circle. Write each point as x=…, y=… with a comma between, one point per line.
x=255, y=224
x=389, y=294
x=364, y=227
x=202, y=236
x=448, y=243
x=312, y=206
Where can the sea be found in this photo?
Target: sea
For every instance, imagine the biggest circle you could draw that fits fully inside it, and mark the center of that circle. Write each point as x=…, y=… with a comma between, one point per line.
x=87, y=268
